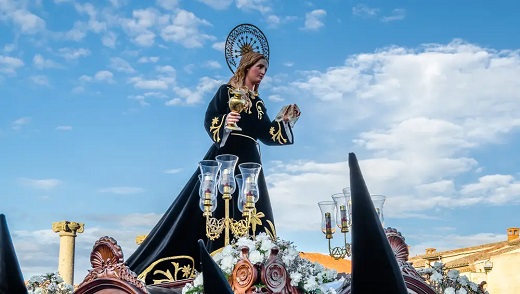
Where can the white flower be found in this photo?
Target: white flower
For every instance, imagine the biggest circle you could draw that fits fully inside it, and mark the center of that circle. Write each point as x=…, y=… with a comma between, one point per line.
x=266, y=245
x=228, y=263
x=463, y=280
x=449, y=290
x=436, y=277
x=262, y=236
x=462, y=291
x=198, y=280
x=311, y=285
x=246, y=242
x=256, y=256
x=295, y=279
x=453, y=274
x=228, y=250
x=437, y=264
x=186, y=288
x=473, y=286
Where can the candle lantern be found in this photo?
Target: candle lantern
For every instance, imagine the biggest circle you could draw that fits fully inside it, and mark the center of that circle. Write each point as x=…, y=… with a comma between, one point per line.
x=379, y=201
x=207, y=191
x=328, y=219
x=226, y=183
x=250, y=172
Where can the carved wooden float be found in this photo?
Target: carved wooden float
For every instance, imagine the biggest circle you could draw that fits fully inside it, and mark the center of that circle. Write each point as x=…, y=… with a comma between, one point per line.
x=109, y=274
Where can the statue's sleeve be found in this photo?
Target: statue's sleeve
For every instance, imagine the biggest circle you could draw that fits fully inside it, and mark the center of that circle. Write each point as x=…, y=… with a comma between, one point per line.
x=214, y=120
x=272, y=132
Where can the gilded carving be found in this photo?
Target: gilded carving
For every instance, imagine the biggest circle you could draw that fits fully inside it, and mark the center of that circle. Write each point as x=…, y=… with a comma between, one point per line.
x=174, y=270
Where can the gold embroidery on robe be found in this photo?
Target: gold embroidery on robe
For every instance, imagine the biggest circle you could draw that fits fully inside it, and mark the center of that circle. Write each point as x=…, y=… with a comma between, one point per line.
x=277, y=135
x=215, y=127
x=259, y=109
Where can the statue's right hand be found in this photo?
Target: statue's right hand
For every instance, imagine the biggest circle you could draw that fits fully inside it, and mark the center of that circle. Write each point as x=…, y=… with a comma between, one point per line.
x=232, y=117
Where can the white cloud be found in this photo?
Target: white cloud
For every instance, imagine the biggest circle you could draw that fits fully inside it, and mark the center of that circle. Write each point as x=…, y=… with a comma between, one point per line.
x=157, y=84
x=109, y=40
x=166, y=69
x=273, y=20
x=219, y=46
x=364, y=11
x=42, y=184
x=9, y=64
x=184, y=29
x=41, y=63
x=189, y=96
x=40, y=80
x=9, y=48
x=122, y=190
x=70, y=53
x=121, y=65
x=140, y=26
x=64, y=128
x=148, y=59
x=407, y=111
x=313, y=19
x=173, y=171
x=217, y=4
x=28, y=22
x=443, y=242
x=397, y=14
x=78, y=89
x=104, y=75
x=213, y=64
x=263, y=6
x=168, y=4
x=19, y=123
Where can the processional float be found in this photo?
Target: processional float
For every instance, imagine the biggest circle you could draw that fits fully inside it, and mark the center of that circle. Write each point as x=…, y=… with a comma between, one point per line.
x=379, y=256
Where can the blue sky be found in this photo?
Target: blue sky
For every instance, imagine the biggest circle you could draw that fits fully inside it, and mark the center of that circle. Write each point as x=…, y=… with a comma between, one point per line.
x=102, y=108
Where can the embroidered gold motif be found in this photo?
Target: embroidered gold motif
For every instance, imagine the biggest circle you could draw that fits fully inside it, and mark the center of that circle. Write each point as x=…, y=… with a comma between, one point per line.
x=169, y=265
x=259, y=109
x=215, y=128
x=277, y=136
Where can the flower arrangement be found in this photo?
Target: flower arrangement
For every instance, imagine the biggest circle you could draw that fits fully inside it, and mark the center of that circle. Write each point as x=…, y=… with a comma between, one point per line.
x=309, y=277
x=449, y=282
x=50, y=283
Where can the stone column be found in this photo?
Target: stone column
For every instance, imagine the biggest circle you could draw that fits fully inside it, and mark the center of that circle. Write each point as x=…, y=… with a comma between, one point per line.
x=68, y=231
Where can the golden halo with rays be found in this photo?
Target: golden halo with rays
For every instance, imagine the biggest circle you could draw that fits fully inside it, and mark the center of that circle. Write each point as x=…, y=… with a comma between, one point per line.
x=243, y=39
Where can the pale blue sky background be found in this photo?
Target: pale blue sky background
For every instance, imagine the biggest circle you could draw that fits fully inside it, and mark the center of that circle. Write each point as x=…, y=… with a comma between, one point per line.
x=101, y=108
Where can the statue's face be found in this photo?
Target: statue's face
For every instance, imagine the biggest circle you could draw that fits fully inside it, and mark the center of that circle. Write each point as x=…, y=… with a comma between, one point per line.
x=256, y=73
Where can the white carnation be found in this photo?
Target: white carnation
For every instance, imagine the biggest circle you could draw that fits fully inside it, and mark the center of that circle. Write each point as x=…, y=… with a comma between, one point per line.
x=449, y=290
x=266, y=245
x=198, y=280
x=295, y=278
x=462, y=291
x=256, y=256
x=436, y=277
x=453, y=274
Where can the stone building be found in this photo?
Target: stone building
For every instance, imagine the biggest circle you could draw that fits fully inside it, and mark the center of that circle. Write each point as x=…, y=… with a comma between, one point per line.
x=498, y=264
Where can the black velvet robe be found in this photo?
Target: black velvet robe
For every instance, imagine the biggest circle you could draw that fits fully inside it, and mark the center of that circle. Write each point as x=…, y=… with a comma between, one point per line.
x=170, y=250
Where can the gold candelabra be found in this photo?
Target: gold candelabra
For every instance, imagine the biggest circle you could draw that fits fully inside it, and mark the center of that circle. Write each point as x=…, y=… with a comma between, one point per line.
x=340, y=209
x=248, y=195
x=215, y=226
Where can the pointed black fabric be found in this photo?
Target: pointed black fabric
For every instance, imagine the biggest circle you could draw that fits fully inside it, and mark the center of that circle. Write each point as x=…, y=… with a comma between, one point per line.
x=374, y=266
x=213, y=278
x=11, y=279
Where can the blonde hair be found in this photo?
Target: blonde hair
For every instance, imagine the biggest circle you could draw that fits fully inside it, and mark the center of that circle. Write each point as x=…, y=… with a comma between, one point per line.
x=246, y=62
